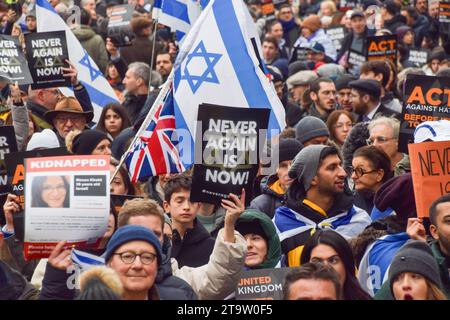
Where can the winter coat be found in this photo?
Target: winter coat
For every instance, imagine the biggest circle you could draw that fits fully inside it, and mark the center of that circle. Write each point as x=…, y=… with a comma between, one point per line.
x=38, y=112
x=213, y=222
x=348, y=39
x=273, y=244
x=13, y=286
x=26, y=268
x=269, y=200
x=140, y=50
x=321, y=37
x=394, y=23
x=364, y=200
x=195, y=247
x=93, y=44
x=296, y=220
x=171, y=287
x=219, y=277
x=420, y=28
x=133, y=105
x=151, y=190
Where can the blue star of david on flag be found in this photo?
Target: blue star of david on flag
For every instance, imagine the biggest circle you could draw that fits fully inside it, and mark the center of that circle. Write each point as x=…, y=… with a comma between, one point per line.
x=94, y=73
x=209, y=75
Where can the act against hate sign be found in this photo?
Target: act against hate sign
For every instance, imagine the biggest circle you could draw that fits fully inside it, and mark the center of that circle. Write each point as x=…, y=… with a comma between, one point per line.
x=47, y=55
x=66, y=198
x=229, y=151
x=426, y=98
x=430, y=169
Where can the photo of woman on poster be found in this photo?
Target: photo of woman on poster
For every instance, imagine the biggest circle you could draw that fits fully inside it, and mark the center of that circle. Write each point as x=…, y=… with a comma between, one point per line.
x=50, y=192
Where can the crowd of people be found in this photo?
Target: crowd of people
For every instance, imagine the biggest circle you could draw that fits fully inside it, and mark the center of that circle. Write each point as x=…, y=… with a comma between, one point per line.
x=340, y=189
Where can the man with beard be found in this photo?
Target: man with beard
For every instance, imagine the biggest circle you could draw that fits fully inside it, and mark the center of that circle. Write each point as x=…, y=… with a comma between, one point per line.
x=323, y=96
x=365, y=99
x=317, y=198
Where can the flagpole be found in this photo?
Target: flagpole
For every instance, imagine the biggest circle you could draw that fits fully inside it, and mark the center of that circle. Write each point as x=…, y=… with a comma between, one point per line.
x=159, y=99
x=155, y=22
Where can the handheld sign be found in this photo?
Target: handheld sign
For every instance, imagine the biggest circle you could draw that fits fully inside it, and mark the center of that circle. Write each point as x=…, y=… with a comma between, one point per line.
x=119, y=29
x=336, y=34
x=8, y=145
x=418, y=58
x=47, y=54
x=13, y=64
x=230, y=151
x=355, y=60
x=444, y=12
x=261, y=284
x=268, y=9
x=426, y=98
x=66, y=198
x=382, y=48
x=430, y=172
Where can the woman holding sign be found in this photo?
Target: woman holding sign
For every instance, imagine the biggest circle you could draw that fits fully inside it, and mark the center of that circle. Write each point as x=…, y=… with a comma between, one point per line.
x=50, y=192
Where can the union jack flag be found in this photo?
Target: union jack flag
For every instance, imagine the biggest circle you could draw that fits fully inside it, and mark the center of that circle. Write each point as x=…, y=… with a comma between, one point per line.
x=155, y=151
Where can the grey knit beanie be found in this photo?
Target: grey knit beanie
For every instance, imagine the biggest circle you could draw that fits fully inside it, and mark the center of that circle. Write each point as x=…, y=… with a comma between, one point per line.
x=306, y=164
x=415, y=256
x=309, y=128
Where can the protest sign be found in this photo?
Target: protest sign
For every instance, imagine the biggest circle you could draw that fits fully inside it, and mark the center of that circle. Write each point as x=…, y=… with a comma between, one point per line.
x=298, y=54
x=336, y=34
x=66, y=198
x=430, y=172
x=231, y=139
x=355, y=60
x=382, y=48
x=418, y=58
x=444, y=12
x=119, y=29
x=268, y=9
x=8, y=145
x=345, y=5
x=118, y=200
x=13, y=64
x=47, y=54
x=261, y=284
x=426, y=98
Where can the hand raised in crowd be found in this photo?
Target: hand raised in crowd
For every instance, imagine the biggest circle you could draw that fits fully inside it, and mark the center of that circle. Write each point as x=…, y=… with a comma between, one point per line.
x=71, y=72
x=415, y=229
x=60, y=257
x=235, y=207
x=15, y=93
x=11, y=207
x=11, y=16
x=111, y=48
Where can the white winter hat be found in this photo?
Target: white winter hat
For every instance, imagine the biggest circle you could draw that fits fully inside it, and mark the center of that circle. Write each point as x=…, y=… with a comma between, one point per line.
x=46, y=139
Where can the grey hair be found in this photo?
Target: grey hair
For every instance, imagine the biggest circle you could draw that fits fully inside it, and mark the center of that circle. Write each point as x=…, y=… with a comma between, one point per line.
x=140, y=70
x=390, y=122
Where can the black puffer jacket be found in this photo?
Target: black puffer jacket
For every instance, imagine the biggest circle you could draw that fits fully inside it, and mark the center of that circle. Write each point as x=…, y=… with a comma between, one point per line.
x=269, y=200
x=13, y=286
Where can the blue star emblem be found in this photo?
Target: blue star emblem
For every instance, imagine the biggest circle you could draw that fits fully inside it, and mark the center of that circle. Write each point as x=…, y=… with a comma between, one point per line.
x=94, y=73
x=209, y=75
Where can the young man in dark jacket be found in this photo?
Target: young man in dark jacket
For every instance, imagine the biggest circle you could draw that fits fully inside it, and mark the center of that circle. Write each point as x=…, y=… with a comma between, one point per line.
x=191, y=243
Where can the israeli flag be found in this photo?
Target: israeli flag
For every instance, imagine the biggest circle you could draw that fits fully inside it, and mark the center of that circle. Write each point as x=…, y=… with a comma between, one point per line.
x=100, y=91
x=179, y=15
x=219, y=62
x=373, y=269
x=85, y=260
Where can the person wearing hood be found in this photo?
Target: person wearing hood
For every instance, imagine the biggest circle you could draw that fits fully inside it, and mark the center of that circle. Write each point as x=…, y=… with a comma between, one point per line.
x=263, y=243
x=390, y=13
x=91, y=42
x=273, y=188
x=318, y=198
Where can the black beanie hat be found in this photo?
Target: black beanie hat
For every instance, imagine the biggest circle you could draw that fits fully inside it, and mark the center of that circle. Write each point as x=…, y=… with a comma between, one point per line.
x=87, y=141
x=415, y=256
x=246, y=227
x=343, y=82
x=287, y=149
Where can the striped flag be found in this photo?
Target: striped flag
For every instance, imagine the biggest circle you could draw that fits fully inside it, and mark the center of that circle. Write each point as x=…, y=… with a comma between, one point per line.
x=98, y=88
x=85, y=260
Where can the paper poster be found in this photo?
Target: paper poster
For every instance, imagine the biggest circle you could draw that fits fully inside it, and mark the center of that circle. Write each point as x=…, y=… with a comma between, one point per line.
x=119, y=29
x=47, y=54
x=230, y=151
x=13, y=64
x=418, y=58
x=8, y=145
x=430, y=171
x=66, y=198
x=261, y=284
x=336, y=34
x=382, y=48
x=426, y=98
x=444, y=12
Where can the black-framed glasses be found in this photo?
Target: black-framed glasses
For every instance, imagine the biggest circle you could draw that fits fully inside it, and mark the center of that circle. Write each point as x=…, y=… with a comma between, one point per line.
x=128, y=257
x=359, y=172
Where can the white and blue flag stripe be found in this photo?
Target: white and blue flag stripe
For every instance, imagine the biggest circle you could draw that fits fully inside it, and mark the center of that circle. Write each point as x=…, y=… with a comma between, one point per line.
x=85, y=260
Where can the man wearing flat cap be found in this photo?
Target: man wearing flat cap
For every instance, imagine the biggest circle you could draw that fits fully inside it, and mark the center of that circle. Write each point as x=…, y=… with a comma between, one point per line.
x=299, y=82
x=365, y=98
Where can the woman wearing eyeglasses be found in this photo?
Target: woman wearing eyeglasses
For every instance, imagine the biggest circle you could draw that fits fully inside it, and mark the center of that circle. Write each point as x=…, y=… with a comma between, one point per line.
x=329, y=247
x=371, y=167
x=339, y=123
x=50, y=192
